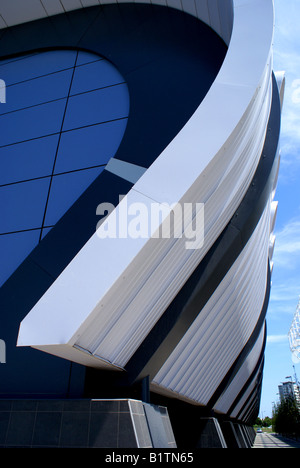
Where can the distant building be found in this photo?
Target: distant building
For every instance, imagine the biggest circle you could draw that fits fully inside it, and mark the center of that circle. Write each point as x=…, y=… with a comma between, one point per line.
x=288, y=389
x=294, y=335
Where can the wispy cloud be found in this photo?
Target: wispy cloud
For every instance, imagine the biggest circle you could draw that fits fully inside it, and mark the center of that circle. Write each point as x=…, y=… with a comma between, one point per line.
x=277, y=339
x=286, y=275
x=285, y=292
x=287, y=249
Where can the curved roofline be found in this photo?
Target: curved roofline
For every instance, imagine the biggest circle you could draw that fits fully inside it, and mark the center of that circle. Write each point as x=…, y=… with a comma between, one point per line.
x=218, y=15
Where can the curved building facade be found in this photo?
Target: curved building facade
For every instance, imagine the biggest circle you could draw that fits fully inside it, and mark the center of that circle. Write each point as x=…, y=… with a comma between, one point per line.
x=139, y=160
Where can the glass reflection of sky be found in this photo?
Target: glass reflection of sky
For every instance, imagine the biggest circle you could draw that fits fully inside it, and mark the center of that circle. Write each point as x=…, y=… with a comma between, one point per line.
x=64, y=118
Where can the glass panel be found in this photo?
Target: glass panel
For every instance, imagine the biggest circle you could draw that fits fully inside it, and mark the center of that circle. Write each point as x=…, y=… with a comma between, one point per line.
x=37, y=91
x=65, y=189
x=31, y=123
x=22, y=205
x=45, y=231
x=86, y=57
x=32, y=199
x=28, y=160
x=97, y=106
x=37, y=65
x=95, y=75
x=89, y=146
x=15, y=59
x=14, y=248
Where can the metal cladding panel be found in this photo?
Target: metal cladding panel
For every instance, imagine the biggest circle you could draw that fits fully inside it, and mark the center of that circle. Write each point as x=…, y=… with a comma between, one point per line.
x=225, y=402
x=248, y=399
x=207, y=351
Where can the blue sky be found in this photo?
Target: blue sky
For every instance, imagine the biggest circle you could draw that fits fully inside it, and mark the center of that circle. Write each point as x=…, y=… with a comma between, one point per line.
x=285, y=290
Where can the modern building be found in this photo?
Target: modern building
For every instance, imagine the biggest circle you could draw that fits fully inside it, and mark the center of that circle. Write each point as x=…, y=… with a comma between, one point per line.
x=138, y=167
x=289, y=389
x=294, y=335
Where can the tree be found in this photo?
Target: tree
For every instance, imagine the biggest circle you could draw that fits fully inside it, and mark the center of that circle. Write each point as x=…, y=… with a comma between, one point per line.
x=258, y=422
x=267, y=422
x=286, y=417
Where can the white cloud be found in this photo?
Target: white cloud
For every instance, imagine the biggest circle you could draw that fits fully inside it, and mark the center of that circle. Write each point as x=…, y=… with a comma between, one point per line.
x=277, y=339
x=287, y=248
x=296, y=91
x=285, y=291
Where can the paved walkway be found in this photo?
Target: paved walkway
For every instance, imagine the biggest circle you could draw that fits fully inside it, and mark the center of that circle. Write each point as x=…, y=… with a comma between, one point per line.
x=266, y=440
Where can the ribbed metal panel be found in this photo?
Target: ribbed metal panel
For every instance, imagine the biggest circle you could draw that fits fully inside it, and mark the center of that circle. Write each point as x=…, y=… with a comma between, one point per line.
x=225, y=402
x=207, y=351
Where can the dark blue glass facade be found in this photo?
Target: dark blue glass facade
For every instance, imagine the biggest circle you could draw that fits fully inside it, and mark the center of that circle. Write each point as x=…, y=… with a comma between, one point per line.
x=65, y=115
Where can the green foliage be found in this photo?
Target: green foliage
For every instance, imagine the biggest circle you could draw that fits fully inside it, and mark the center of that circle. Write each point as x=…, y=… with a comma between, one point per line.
x=286, y=417
x=258, y=422
x=267, y=422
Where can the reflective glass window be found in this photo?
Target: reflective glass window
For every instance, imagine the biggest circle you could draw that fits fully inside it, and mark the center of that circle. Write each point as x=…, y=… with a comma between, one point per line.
x=14, y=248
x=33, y=122
x=97, y=106
x=89, y=146
x=65, y=189
x=28, y=160
x=31, y=66
x=22, y=205
x=39, y=90
x=45, y=231
x=86, y=57
x=95, y=75
x=15, y=59
x=54, y=142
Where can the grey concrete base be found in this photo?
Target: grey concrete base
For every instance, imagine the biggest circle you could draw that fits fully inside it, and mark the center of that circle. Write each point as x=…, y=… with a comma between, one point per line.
x=230, y=435
x=237, y=435
x=211, y=435
x=243, y=441
x=225, y=434
x=84, y=423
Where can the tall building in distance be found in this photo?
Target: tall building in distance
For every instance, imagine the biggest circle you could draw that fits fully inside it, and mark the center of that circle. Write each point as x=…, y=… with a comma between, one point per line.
x=289, y=389
x=294, y=335
x=138, y=168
